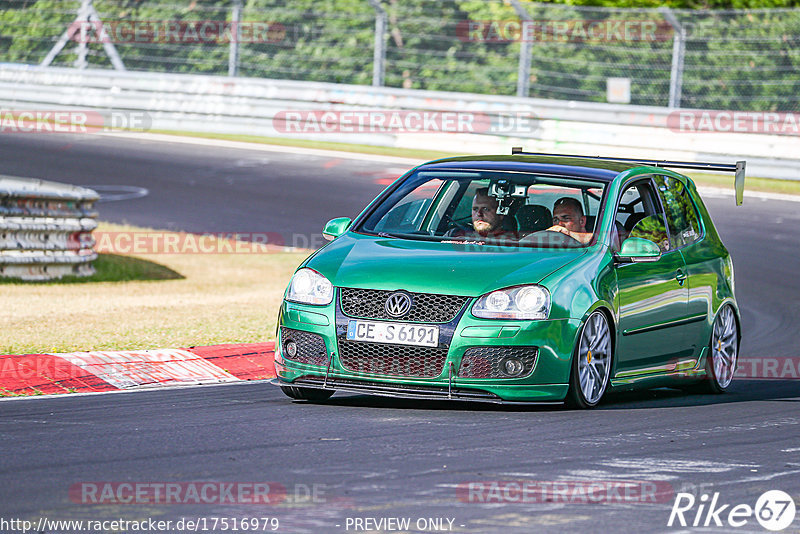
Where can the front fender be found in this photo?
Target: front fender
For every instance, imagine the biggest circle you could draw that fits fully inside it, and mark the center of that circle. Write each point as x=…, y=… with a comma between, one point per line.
x=579, y=289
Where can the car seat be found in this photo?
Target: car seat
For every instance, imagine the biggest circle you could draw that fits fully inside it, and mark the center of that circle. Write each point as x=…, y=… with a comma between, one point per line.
x=534, y=218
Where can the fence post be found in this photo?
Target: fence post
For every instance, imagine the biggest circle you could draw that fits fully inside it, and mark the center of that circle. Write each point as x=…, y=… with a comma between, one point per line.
x=233, y=54
x=379, y=54
x=83, y=49
x=678, y=51
x=87, y=19
x=525, y=50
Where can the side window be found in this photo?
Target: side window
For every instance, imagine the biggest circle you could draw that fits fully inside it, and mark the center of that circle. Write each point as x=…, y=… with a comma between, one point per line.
x=682, y=218
x=630, y=209
x=640, y=215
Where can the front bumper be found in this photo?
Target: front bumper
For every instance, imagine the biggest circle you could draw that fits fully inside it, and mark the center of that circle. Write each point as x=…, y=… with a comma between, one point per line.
x=547, y=382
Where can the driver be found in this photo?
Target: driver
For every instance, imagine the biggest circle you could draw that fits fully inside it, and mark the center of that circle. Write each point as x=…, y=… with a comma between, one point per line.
x=486, y=222
x=485, y=219
x=568, y=218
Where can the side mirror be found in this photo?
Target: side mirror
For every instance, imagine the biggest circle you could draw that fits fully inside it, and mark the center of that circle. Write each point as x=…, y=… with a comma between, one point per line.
x=336, y=227
x=636, y=249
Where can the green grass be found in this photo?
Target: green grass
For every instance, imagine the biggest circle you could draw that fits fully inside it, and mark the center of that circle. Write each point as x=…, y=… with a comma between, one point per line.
x=149, y=301
x=113, y=268
x=118, y=268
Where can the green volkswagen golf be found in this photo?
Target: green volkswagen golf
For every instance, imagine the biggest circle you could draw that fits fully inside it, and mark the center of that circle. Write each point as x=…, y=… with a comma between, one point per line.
x=528, y=278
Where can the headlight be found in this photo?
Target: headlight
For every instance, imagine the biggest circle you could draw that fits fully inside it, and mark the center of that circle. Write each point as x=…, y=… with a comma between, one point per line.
x=522, y=302
x=309, y=287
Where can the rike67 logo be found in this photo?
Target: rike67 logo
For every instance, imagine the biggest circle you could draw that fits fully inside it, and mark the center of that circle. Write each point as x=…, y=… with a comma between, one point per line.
x=774, y=510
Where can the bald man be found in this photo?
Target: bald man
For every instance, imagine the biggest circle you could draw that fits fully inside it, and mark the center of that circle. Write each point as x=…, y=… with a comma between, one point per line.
x=568, y=218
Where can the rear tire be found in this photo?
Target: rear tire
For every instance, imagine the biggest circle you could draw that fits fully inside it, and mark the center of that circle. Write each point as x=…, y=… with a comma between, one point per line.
x=591, y=363
x=723, y=353
x=307, y=394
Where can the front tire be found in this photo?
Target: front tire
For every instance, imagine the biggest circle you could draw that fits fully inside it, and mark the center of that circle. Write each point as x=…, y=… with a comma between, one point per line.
x=723, y=354
x=307, y=394
x=591, y=363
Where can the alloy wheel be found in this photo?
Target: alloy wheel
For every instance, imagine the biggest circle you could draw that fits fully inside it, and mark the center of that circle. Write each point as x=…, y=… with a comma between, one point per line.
x=594, y=358
x=724, y=347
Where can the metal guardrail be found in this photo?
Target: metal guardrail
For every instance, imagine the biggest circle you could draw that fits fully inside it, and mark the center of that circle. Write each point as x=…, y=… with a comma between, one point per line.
x=45, y=229
x=214, y=104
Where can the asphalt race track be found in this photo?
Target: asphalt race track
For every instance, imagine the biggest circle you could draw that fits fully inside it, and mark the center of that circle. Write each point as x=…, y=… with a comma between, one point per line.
x=359, y=457
x=198, y=188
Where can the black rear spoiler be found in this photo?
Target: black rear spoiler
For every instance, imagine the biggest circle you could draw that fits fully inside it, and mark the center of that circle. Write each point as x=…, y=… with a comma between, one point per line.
x=736, y=168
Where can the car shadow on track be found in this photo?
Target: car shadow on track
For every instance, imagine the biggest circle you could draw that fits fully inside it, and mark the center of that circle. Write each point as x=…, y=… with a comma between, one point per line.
x=374, y=401
x=740, y=391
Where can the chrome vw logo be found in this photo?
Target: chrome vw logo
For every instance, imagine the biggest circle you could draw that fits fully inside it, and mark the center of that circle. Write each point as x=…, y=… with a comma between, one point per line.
x=398, y=304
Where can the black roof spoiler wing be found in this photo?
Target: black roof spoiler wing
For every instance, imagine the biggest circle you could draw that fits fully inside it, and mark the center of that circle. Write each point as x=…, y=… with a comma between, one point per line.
x=736, y=168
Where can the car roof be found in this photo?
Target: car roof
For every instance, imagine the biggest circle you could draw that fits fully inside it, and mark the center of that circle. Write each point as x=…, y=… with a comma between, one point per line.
x=575, y=167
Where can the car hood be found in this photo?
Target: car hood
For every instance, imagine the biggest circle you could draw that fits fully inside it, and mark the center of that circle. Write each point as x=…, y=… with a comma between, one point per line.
x=355, y=260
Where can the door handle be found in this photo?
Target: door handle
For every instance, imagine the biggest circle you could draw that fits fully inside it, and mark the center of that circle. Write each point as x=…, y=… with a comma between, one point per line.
x=680, y=276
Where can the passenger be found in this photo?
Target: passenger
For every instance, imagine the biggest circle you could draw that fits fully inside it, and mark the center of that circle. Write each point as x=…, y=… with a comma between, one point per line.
x=568, y=218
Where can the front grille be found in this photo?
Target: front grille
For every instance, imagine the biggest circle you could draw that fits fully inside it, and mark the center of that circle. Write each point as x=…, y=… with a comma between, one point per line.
x=310, y=347
x=488, y=362
x=392, y=360
x=425, y=307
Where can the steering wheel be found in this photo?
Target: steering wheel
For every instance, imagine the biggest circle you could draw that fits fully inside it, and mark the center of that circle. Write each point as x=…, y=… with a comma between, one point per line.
x=551, y=237
x=460, y=225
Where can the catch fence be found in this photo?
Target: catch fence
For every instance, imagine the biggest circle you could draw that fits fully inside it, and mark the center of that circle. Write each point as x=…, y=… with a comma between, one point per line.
x=732, y=59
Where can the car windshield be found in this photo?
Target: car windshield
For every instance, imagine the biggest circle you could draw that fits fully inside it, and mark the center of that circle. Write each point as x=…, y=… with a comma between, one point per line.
x=489, y=208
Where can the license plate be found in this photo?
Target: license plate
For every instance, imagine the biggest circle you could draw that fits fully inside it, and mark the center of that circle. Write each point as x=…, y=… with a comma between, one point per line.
x=399, y=333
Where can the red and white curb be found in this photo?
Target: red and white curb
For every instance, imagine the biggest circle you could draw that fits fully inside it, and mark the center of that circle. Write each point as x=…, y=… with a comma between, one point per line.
x=47, y=374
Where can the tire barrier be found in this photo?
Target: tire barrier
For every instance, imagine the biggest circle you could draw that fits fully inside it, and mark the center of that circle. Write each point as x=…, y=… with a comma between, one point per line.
x=45, y=229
